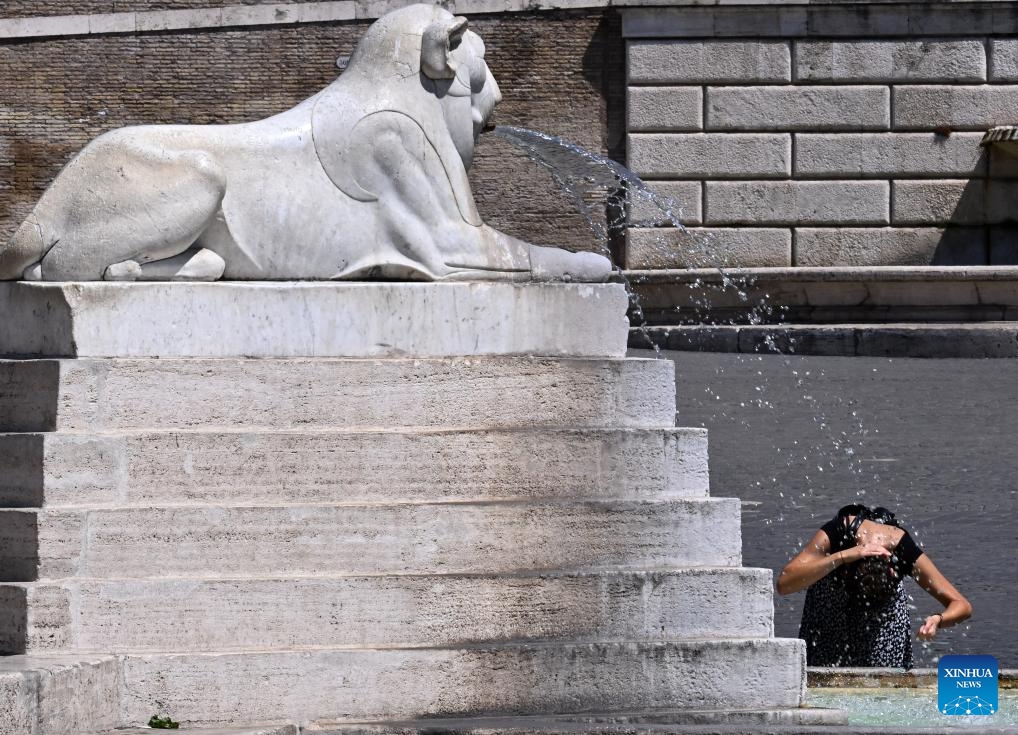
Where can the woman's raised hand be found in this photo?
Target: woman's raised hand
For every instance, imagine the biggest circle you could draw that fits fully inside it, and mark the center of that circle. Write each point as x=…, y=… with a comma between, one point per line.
x=870, y=548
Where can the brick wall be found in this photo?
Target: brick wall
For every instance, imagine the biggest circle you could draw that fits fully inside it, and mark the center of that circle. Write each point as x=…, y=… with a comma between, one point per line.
x=825, y=135
x=557, y=71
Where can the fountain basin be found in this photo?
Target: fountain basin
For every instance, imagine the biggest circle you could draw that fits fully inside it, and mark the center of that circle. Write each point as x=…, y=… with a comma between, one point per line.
x=904, y=700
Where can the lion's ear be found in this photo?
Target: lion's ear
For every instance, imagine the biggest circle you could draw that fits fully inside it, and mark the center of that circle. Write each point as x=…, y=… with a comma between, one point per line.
x=437, y=43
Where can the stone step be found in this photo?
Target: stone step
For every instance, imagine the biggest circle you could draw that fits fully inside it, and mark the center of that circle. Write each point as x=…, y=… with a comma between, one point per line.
x=242, y=730
x=115, y=616
x=126, y=394
x=330, y=318
x=507, y=679
x=297, y=540
x=684, y=722
x=232, y=467
x=59, y=695
x=993, y=339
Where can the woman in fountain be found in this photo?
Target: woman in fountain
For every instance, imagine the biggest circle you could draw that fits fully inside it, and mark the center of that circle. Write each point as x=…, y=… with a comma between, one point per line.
x=856, y=611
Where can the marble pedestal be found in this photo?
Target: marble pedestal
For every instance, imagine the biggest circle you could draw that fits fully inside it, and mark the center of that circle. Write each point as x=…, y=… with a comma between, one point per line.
x=420, y=500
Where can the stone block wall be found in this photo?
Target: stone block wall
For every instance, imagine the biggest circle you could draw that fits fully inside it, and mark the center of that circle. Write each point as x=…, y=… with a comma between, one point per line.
x=795, y=134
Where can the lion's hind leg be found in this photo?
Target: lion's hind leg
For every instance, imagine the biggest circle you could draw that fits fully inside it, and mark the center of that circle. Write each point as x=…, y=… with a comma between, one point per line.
x=129, y=198
x=194, y=264
x=21, y=256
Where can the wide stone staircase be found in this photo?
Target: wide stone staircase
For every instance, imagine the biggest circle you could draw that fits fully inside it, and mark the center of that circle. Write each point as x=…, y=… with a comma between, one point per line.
x=326, y=541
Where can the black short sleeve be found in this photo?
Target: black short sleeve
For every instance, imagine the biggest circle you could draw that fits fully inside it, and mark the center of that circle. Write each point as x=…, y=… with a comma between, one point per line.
x=835, y=530
x=908, y=552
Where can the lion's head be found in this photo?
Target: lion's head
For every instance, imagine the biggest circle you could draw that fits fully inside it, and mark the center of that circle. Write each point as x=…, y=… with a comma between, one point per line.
x=435, y=47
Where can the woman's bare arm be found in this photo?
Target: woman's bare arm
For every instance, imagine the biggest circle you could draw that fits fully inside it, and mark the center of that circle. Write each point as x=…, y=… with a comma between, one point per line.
x=815, y=562
x=956, y=607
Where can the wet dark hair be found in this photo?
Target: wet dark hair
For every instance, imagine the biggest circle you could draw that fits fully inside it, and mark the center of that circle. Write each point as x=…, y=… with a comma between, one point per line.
x=872, y=581
x=879, y=514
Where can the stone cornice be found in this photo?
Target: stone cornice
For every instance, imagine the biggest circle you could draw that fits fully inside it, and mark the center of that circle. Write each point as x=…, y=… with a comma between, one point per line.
x=346, y=10
x=250, y=15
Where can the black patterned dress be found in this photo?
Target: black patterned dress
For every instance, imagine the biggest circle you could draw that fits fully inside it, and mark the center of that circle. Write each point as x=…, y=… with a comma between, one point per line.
x=842, y=627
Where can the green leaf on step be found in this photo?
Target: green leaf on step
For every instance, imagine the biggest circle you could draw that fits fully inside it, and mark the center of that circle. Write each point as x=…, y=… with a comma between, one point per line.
x=162, y=723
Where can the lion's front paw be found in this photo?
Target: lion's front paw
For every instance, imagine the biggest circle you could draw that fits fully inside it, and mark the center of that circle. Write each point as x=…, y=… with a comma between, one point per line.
x=554, y=264
x=128, y=270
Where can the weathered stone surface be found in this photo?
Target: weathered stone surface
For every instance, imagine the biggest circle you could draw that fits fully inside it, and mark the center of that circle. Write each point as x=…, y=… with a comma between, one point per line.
x=796, y=202
x=924, y=107
x=951, y=19
x=821, y=18
x=708, y=247
x=684, y=22
x=37, y=619
x=242, y=730
x=907, y=19
x=665, y=108
x=53, y=395
x=180, y=616
x=860, y=294
x=889, y=293
x=466, y=538
x=1004, y=246
x=18, y=704
x=173, y=19
x=707, y=338
x=891, y=61
x=702, y=155
x=975, y=201
x=1003, y=60
x=686, y=204
x=889, y=155
x=939, y=202
x=846, y=247
x=113, y=23
x=863, y=21
x=1002, y=163
x=1000, y=201
x=508, y=679
x=708, y=62
x=970, y=341
x=798, y=108
x=174, y=467
x=36, y=547
x=311, y=319
x=919, y=340
x=59, y=695
x=998, y=292
x=595, y=723
x=54, y=25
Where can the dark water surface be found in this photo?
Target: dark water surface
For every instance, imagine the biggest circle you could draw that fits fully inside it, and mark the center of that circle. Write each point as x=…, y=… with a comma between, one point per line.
x=934, y=440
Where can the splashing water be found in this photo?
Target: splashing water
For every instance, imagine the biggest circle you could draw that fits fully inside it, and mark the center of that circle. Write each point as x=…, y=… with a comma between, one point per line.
x=612, y=198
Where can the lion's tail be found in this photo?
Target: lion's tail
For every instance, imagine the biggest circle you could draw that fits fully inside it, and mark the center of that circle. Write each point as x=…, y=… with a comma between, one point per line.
x=25, y=248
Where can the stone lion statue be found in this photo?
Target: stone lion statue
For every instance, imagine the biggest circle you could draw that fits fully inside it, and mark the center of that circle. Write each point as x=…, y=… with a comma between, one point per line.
x=368, y=178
